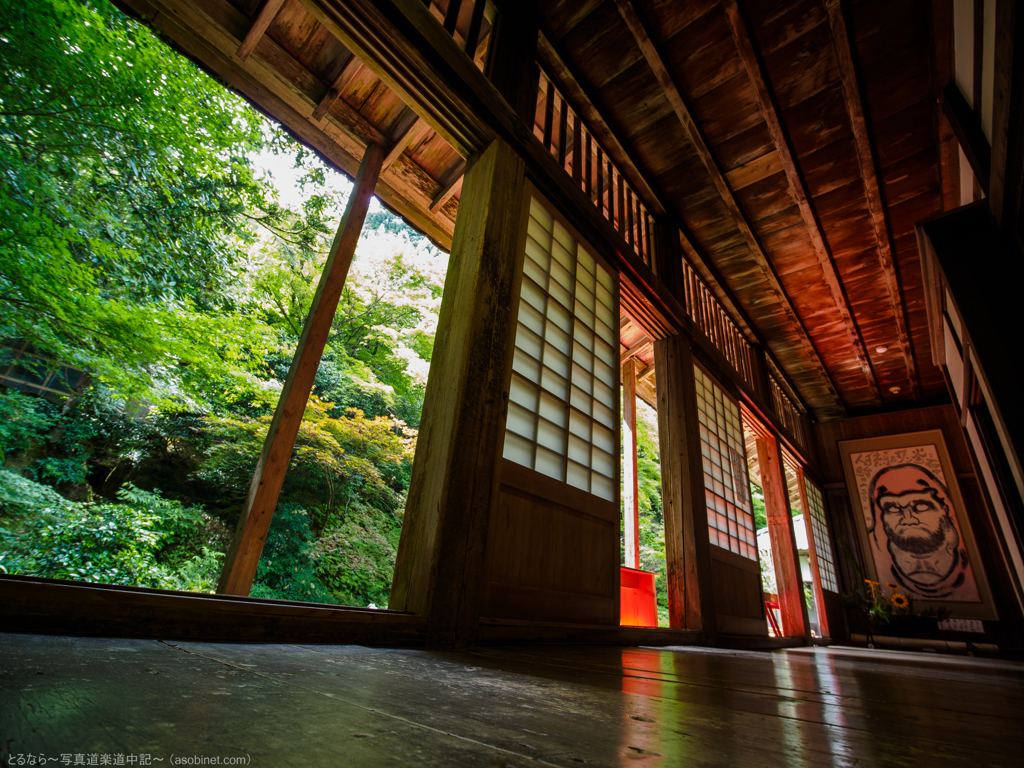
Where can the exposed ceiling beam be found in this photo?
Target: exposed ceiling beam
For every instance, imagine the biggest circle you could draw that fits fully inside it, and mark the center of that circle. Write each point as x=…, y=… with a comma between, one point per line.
x=940, y=51
x=872, y=189
x=278, y=84
x=636, y=349
x=362, y=28
x=259, y=27
x=334, y=93
x=451, y=184
x=742, y=37
x=404, y=139
x=652, y=53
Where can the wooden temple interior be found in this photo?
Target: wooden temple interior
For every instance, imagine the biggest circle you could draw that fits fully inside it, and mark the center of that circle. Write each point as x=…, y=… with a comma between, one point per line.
x=792, y=229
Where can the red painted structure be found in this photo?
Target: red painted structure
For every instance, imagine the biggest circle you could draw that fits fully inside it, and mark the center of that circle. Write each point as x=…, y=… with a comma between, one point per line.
x=638, y=606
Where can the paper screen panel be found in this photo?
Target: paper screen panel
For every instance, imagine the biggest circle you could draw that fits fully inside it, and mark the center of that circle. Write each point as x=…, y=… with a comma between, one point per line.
x=726, y=482
x=563, y=395
x=822, y=541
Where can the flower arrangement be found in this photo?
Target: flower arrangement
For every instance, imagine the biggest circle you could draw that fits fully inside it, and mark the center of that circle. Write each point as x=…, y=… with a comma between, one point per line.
x=882, y=603
x=888, y=605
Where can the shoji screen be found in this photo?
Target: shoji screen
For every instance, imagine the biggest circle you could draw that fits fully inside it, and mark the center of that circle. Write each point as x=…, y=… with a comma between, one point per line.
x=726, y=482
x=822, y=542
x=563, y=399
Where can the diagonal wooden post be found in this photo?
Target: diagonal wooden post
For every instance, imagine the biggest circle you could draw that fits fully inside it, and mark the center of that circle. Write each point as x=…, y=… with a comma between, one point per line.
x=251, y=533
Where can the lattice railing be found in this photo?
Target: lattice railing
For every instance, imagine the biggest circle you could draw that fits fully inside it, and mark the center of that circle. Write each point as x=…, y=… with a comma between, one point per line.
x=470, y=22
x=785, y=409
x=577, y=150
x=710, y=316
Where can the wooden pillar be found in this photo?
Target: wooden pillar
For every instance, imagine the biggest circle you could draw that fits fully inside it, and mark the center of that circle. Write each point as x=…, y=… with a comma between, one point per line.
x=691, y=597
x=812, y=548
x=454, y=482
x=251, y=532
x=780, y=530
x=630, y=489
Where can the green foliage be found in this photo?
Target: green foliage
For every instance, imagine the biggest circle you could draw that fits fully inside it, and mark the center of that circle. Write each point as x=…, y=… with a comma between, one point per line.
x=287, y=570
x=24, y=422
x=107, y=543
x=335, y=460
x=140, y=245
x=760, y=512
x=128, y=199
x=145, y=540
x=20, y=498
x=357, y=556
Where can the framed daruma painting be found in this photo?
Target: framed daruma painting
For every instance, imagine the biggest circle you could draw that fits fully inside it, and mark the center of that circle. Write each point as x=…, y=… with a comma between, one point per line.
x=911, y=521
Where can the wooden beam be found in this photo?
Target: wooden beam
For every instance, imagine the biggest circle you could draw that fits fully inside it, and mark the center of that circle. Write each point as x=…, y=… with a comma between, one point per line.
x=788, y=578
x=370, y=34
x=451, y=184
x=512, y=62
x=636, y=349
x=439, y=569
x=630, y=486
x=340, y=83
x=451, y=16
x=1007, y=162
x=967, y=126
x=405, y=138
x=940, y=51
x=645, y=374
x=798, y=190
x=282, y=87
x=872, y=187
x=259, y=27
x=691, y=594
x=244, y=553
x=673, y=92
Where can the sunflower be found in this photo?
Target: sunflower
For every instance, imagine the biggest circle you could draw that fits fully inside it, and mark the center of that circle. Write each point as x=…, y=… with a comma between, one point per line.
x=892, y=587
x=899, y=600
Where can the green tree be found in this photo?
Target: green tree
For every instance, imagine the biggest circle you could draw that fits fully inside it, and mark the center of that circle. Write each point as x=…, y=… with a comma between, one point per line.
x=128, y=198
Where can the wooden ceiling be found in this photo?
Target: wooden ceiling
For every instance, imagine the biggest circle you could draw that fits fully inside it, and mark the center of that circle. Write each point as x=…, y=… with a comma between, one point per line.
x=294, y=60
x=798, y=143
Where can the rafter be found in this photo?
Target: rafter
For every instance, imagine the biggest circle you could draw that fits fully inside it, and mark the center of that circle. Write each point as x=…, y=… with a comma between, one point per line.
x=872, y=189
x=652, y=53
x=259, y=27
x=340, y=82
x=744, y=43
x=636, y=349
x=451, y=184
x=404, y=139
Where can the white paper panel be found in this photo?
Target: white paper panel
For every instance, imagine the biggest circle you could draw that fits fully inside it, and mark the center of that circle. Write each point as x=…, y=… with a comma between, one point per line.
x=518, y=450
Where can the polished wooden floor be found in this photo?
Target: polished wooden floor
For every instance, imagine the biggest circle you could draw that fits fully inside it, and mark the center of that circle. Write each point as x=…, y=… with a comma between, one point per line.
x=276, y=705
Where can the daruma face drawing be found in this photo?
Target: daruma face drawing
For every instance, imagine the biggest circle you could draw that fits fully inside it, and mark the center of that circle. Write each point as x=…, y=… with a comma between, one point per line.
x=912, y=508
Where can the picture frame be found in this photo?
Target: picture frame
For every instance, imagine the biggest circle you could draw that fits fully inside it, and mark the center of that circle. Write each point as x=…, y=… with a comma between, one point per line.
x=912, y=524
